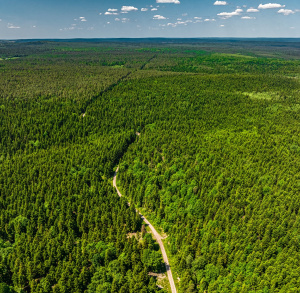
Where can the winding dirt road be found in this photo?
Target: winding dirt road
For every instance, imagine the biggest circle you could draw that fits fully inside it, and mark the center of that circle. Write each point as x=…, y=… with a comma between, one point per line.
x=156, y=236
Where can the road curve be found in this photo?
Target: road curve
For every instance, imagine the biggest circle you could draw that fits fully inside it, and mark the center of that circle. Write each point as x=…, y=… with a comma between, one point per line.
x=156, y=236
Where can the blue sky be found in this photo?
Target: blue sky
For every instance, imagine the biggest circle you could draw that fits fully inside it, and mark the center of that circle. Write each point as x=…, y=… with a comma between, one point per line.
x=148, y=18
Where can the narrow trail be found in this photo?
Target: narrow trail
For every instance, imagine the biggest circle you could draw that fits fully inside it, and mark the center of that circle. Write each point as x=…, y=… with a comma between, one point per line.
x=156, y=235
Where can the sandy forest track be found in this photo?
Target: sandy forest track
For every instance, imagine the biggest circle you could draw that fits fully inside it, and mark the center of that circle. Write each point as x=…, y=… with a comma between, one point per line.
x=157, y=236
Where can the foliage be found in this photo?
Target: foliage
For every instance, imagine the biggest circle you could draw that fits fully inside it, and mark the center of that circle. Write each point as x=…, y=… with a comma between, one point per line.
x=216, y=165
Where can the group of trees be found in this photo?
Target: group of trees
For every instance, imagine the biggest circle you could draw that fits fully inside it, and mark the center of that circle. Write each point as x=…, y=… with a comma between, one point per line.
x=216, y=166
x=62, y=226
x=207, y=62
x=218, y=170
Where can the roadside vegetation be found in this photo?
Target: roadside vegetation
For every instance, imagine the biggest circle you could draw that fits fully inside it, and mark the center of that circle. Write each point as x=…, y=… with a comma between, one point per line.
x=216, y=165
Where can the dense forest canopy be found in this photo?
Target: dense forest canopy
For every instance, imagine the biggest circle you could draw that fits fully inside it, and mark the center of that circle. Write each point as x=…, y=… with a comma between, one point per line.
x=216, y=166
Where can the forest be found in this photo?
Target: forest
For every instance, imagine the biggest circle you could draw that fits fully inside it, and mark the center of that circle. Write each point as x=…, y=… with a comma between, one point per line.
x=215, y=167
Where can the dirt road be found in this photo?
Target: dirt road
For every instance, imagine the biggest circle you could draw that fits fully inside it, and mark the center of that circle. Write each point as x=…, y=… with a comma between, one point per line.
x=156, y=236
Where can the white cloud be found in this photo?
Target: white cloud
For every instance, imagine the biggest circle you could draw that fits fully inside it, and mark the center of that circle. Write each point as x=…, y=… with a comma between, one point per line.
x=112, y=9
x=230, y=14
x=153, y=9
x=196, y=17
x=286, y=11
x=222, y=25
x=252, y=10
x=144, y=9
x=111, y=13
x=179, y=22
x=159, y=17
x=82, y=18
x=209, y=19
x=168, y=1
x=10, y=25
x=248, y=17
x=117, y=19
x=72, y=27
x=220, y=3
x=128, y=8
x=270, y=5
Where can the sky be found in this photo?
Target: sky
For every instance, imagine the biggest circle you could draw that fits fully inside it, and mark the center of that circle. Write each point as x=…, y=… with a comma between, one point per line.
x=32, y=19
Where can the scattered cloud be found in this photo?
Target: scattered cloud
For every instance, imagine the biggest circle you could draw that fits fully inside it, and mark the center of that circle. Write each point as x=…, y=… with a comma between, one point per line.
x=196, y=17
x=82, y=18
x=144, y=9
x=111, y=13
x=270, y=5
x=128, y=8
x=286, y=11
x=10, y=25
x=226, y=15
x=179, y=22
x=112, y=9
x=252, y=10
x=209, y=19
x=222, y=25
x=72, y=27
x=220, y=3
x=248, y=17
x=168, y=1
x=160, y=17
x=153, y=9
